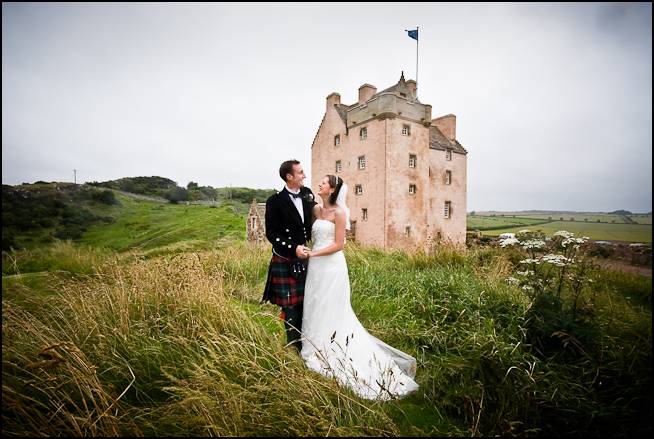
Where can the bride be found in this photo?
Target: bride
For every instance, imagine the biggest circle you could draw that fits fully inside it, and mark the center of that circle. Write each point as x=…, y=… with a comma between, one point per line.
x=334, y=343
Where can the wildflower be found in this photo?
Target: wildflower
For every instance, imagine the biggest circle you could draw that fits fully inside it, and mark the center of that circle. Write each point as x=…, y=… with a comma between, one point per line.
x=530, y=261
x=564, y=234
x=509, y=241
x=569, y=241
x=558, y=260
x=533, y=244
x=512, y=281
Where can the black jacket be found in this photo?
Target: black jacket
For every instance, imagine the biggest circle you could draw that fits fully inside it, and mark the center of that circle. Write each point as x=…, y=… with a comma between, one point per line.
x=284, y=227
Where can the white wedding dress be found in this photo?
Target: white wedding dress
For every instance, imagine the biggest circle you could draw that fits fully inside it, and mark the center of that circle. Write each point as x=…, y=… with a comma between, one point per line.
x=334, y=343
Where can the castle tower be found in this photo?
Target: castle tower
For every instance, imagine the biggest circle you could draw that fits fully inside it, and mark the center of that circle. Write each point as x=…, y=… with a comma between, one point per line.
x=406, y=172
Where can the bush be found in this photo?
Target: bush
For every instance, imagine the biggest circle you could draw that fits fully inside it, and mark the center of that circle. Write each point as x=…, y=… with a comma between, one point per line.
x=105, y=197
x=176, y=194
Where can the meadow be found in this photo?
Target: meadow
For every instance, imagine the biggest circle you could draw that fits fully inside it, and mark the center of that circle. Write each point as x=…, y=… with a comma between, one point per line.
x=147, y=328
x=595, y=226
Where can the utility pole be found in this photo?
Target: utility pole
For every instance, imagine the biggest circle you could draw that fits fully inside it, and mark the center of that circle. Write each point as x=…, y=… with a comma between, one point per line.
x=75, y=175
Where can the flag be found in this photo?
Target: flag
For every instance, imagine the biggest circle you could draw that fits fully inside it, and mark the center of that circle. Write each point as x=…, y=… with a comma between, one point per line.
x=413, y=34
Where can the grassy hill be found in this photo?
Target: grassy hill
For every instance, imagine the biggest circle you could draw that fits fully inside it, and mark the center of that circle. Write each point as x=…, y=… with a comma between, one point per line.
x=42, y=213
x=150, y=325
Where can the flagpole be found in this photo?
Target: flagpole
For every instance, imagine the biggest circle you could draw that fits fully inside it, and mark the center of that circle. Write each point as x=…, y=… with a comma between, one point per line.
x=418, y=33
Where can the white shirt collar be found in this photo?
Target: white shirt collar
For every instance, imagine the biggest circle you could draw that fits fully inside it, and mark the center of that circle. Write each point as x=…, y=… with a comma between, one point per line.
x=293, y=192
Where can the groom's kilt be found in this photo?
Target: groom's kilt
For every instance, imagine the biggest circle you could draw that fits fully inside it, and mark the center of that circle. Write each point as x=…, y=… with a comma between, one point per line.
x=281, y=288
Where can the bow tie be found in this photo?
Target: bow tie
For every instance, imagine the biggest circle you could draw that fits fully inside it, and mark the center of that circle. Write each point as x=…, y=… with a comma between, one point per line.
x=294, y=195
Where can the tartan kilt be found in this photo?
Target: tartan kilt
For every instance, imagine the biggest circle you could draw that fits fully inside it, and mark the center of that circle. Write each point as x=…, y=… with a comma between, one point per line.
x=281, y=288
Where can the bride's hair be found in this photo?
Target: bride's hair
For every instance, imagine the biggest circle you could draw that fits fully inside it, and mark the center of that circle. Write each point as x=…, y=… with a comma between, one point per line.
x=336, y=183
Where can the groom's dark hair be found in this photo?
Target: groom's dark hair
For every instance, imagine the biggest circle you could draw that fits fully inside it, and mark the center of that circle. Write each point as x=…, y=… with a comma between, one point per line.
x=336, y=183
x=287, y=168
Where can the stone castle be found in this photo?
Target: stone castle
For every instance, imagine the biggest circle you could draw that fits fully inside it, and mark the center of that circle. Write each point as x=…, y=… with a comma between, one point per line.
x=406, y=172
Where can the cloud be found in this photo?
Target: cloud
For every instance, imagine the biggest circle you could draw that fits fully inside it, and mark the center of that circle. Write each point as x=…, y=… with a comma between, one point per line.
x=553, y=99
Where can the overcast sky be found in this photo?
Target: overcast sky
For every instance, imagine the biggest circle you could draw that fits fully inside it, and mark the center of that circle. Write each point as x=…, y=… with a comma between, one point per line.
x=553, y=101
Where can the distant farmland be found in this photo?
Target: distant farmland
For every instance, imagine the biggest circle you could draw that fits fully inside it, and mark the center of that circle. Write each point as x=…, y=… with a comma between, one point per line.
x=596, y=226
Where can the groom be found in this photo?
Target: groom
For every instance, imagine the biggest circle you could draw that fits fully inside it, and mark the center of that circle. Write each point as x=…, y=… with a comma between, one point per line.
x=288, y=228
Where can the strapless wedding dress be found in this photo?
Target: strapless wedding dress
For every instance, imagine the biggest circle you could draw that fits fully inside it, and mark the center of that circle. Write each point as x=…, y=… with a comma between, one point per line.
x=334, y=343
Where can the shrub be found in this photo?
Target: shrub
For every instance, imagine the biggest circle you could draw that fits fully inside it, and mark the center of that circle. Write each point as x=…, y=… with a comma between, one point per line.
x=105, y=197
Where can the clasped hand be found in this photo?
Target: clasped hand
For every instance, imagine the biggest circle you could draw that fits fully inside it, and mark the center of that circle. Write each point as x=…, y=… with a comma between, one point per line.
x=302, y=252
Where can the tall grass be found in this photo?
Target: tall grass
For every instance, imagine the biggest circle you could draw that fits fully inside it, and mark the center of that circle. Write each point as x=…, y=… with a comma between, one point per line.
x=179, y=345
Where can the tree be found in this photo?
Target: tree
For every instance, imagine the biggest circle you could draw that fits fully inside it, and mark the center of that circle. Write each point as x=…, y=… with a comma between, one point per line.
x=176, y=194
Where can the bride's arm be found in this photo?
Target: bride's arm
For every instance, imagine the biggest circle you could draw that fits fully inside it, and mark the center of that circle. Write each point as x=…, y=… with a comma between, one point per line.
x=339, y=238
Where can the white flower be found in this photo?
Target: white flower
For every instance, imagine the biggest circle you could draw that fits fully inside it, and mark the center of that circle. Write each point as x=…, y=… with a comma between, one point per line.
x=558, y=260
x=571, y=240
x=564, y=234
x=533, y=243
x=530, y=261
x=512, y=281
x=509, y=241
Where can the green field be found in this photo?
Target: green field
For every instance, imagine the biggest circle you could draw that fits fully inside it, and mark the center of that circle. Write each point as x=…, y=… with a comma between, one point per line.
x=492, y=222
x=146, y=225
x=595, y=231
x=601, y=227
x=644, y=219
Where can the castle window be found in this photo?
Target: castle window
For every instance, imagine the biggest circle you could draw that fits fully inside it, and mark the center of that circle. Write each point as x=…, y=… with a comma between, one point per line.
x=448, y=177
x=412, y=189
x=362, y=162
x=363, y=133
x=448, y=209
x=413, y=161
x=448, y=154
x=339, y=167
x=406, y=130
x=403, y=95
x=407, y=231
x=364, y=214
x=358, y=189
x=337, y=140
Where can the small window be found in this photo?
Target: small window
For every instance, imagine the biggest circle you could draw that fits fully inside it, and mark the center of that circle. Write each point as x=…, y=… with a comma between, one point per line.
x=362, y=162
x=448, y=209
x=407, y=231
x=339, y=167
x=358, y=189
x=413, y=160
x=403, y=95
x=337, y=140
x=364, y=214
x=448, y=154
x=406, y=130
x=412, y=189
x=448, y=177
x=363, y=133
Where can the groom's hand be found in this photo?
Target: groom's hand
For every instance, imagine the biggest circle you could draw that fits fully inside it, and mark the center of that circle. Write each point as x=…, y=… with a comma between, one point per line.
x=302, y=252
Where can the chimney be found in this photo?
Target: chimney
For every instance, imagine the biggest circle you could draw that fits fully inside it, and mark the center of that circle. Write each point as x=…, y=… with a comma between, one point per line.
x=366, y=91
x=412, y=86
x=333, y=99
x=447, y=125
